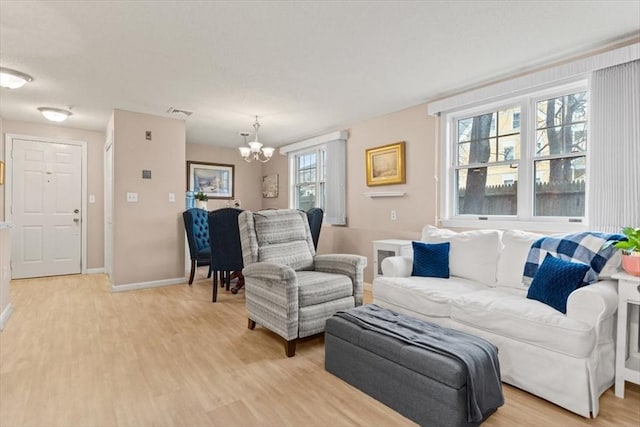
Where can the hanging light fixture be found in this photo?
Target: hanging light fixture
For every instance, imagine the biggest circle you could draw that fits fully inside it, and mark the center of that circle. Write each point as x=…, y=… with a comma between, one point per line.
x=255, y=150
x=13, y=79
x=54, y=114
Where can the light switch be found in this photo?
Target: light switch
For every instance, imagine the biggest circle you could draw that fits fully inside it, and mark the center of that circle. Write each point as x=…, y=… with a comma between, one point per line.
x=172, y=197
x=92, y=198
x=132, y=197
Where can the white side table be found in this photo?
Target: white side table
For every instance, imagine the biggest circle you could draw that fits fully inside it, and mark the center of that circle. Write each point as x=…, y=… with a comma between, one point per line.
x=627, y=356
x=386, y=248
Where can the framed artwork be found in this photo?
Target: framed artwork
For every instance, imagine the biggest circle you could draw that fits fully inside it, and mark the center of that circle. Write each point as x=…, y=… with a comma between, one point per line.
x=270, y=186
x=385, y=164
x=215, y=180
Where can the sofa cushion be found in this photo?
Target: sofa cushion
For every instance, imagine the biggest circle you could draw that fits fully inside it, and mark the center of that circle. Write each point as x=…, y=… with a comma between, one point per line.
x=473, y=254
x=513, y=256
x=555, y=280
x=316, y=287
x=428, y=295
x=512, y=315
x=430, y=259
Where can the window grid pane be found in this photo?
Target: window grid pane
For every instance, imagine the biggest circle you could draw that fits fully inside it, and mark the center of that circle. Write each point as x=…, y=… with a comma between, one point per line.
x=489, y=138
x=561, y=132
x=310, y=173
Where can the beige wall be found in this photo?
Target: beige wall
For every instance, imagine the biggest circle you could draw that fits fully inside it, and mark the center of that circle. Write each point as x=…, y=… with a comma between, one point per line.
x=247, y=176
x=368, y=218
x=148, y=240
x=2, y=159
x=277, y=165
x=95, y=154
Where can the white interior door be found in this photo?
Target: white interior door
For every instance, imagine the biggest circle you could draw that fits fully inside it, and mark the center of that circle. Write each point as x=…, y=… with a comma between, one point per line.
x=46, y=209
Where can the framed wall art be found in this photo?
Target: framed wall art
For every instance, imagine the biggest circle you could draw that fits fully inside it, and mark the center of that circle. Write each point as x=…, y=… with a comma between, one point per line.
x=215, y=180
x=386, y=164
x=270, y=186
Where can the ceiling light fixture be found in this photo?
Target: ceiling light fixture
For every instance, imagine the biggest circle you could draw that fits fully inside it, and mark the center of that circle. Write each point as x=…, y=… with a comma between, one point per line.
x=255, y=150
x=54, y=114
x=13, y=79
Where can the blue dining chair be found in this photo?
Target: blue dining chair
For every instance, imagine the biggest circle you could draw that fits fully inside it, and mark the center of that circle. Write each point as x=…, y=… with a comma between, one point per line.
x=197, y=228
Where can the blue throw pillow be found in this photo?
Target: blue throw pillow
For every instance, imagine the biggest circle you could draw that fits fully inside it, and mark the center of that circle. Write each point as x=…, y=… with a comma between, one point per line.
x=430, y=259
x=555, y=280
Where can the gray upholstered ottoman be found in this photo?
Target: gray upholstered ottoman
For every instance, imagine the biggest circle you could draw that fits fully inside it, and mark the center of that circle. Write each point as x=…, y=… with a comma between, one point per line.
x=425, y=386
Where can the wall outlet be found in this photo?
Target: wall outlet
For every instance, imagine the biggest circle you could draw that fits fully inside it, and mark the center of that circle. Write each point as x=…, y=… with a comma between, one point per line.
x=132, y=197
x=92, y=198
x=172, y=197
x=393, y=216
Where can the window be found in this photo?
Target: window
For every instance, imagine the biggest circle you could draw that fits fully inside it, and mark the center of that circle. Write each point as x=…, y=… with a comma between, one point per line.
x=317, y=175
x=559, y=163
x=310, y=172
x=522, y=159
x=488, y=148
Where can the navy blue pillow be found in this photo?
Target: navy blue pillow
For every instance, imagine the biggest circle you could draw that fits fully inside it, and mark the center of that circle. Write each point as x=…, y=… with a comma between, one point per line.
x=555, y=280
x=430, y=259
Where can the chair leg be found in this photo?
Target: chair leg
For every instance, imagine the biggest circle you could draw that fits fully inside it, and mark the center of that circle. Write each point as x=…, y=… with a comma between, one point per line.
x=252, y=324
x=222, y=279
x=214, y=298
x=209, y=273
x=290, y=348
x=240, y=284
x=227, y=279
x=193, y=271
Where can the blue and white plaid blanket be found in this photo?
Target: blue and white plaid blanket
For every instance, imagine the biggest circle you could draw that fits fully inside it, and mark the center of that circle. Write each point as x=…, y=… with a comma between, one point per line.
x=585, y=248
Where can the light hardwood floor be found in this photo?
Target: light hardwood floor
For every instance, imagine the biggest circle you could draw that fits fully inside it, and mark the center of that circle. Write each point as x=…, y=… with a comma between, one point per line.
x=74, y=354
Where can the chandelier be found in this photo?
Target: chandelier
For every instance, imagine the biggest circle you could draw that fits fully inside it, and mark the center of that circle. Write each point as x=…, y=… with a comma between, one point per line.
x=255, y=150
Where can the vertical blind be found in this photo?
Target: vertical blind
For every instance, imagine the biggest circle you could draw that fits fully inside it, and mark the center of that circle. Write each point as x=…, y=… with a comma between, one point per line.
x=614, y=158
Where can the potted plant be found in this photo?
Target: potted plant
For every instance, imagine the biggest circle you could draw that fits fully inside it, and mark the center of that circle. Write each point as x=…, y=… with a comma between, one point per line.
x=201, y=200
x=630, y=250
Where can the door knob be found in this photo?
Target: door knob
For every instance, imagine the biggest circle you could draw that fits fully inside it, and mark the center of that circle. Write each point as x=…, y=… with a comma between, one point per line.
x=76, y=219
x=76, y=211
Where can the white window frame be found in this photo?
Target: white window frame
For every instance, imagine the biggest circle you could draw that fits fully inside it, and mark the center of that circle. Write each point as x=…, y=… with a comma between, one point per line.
x=334, y=144
x=524, y=219
x=293, y=176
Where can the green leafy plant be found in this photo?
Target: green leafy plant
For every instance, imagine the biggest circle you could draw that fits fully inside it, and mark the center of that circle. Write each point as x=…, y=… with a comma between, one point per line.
x=201, y=196
x=632, y=244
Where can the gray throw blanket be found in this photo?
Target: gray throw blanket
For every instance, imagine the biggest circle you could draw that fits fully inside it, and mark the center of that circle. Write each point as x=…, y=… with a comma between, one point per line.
x=484, y=387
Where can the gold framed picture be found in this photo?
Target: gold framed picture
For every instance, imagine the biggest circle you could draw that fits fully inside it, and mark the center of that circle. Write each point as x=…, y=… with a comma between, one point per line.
x=385, y=164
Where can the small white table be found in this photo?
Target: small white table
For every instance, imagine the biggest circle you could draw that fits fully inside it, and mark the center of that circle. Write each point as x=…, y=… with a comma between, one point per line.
x=627, y=356
x=386, y=248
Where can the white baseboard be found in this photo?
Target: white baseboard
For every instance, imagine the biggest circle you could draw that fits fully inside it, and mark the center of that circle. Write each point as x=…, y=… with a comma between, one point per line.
x=4, y=317
x=95, y=270
x=144, y=285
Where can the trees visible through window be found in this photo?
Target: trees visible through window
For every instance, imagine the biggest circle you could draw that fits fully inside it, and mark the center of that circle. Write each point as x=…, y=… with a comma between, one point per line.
x=488, y=147
x=560, y=158
x=491, y=157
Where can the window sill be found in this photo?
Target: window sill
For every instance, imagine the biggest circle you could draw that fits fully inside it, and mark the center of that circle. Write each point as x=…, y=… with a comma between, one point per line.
x=505, y=224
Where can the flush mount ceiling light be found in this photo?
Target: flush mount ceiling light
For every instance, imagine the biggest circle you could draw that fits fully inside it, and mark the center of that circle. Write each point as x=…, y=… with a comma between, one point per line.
x=13, y=79
x=255, y=150
x=54, y=114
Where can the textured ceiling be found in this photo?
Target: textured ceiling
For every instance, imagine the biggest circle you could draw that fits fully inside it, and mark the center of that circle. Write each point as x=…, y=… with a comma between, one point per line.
x=304, y=67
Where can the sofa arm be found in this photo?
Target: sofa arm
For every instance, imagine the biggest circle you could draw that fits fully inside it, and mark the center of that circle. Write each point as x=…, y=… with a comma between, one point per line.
x=347, y=264
x=397, y=266
x=593, y=303
x=271, y=293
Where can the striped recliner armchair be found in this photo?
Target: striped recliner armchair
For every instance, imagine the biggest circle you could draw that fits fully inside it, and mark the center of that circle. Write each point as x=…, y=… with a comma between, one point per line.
x=289, y=289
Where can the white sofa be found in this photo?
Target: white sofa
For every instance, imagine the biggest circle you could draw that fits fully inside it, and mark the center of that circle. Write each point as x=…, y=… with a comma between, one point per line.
x=566, y=359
